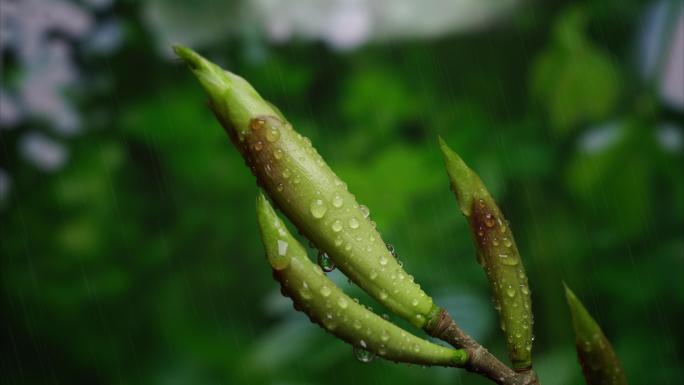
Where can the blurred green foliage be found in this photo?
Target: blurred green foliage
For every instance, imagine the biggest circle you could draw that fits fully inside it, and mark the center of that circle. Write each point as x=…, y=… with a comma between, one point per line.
x=140, y=263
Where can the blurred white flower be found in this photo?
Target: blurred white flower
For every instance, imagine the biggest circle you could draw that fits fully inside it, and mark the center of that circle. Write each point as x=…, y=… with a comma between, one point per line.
x=598, y=138
x=342, y=24
x=46, y=67
x=670, y=137
x=346, y=24
x=45, y=78
x=660, y=47
x=9, y=111
x=106, y=37
x=45, y=153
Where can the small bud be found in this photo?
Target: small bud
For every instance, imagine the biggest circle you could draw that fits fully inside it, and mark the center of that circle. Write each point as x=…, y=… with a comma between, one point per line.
x=599, y=362
x=313, y=293
x=498, y=254
x=302, y=185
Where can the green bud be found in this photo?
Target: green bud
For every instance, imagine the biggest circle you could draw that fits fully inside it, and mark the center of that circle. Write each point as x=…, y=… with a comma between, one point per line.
x=299, y=181
x=498, y=254
x=599, y=362
x=313, y=293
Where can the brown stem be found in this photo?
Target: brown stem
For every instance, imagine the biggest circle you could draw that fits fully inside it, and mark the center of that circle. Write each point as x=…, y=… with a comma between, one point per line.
x=480, y=360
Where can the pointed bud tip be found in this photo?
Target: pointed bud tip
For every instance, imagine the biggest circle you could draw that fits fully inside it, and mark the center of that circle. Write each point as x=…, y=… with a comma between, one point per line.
x=465, y=183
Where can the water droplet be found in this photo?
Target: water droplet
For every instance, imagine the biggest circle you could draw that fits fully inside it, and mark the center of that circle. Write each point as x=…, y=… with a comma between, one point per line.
x=305, y=293
x=356, y=324
x=383, y=295
x=272, y=134
x=286, y=173
x=318, y=208
x=280, y=187
x=510, y=291
x=362, y=354
x=282, y=247
x=278, y=154
x=325, y=291
x=258, y=146
x=325, y=262
x=337, y=226
x=507, y=260
x=495, y=241
x=391, y=249
x=364, y=211
x=414, y=302
x=373, y=274
x=337, y=201
x=507, y=242
x=342, y=303
x=524, y=289
x=383, y=261
x=353, y=223
x=489, y=220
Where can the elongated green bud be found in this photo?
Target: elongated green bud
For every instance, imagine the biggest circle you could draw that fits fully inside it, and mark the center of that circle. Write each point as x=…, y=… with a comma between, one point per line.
x=498, y=254
x=599, y=362
x=298, y=180
x=313, y=293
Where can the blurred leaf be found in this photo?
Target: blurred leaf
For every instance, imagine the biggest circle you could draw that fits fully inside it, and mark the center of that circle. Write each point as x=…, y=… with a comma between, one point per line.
x=573, y=80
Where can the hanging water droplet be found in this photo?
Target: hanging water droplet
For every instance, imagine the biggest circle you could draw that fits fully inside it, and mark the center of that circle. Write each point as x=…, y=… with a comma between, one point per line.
x=391, y=249
x=364, y=211
x=325, y=262
x=272, y=134
x=337, y=201
x=318, y=208
x=362, y=354
x=353, y=223
x=337, y=226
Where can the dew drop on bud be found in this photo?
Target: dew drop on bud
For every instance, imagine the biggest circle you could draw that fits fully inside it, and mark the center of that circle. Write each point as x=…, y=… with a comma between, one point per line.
x=391, y=249
x=258, y=146
x=325, y=291
x=510, y=291
x=364, y=211
x=353, y=223
x=318, y=208
x=383, y=261
x=325, y=262
x=337, y=226
x=362, y=354
x=278, y=154
x=489, y=220
x=337, y=201
x=272, y=134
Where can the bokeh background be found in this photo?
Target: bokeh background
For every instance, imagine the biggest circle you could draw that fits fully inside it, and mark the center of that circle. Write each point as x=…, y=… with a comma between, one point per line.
x=128, y=242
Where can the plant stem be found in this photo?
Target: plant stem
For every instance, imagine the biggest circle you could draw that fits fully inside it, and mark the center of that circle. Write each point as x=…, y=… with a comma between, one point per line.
x=480, y=360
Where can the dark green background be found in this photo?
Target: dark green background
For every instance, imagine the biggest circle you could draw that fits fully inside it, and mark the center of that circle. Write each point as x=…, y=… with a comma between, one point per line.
x=140, y=262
